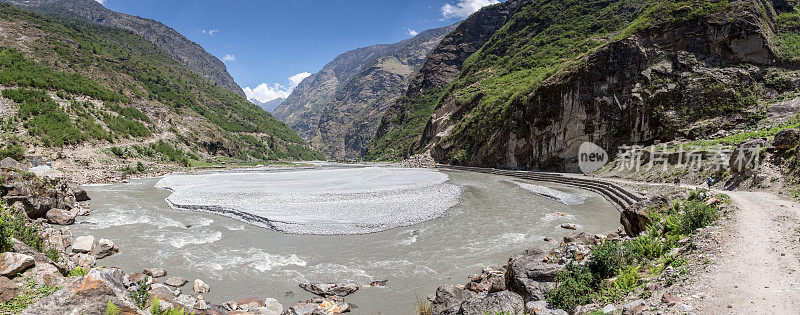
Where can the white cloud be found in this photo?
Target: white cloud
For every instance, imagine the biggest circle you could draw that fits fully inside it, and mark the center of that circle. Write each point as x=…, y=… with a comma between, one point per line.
x=464, y=8
x=229, y=57
x=207, y=32
x=265, y=92
x=412, y=32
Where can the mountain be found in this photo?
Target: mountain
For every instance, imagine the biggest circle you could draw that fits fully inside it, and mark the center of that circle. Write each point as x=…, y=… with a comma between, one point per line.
x=614, y=72
x=338, y=109
x=71, y=85
x=165, y=38
x=269, y=106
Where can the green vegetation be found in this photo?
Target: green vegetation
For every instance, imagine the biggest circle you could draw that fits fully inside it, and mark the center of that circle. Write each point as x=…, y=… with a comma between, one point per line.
x=397, y=143
x=32, y=292
x=141, y=295
x=788, y=35
x=735, y=139
x=78, y=272
x=16, y=225
x=625, y=263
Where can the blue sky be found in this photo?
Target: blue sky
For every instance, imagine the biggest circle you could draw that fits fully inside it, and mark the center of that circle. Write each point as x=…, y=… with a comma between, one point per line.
x=269, y=46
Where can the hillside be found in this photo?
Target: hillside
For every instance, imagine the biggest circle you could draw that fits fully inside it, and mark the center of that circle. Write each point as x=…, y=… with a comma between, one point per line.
x=168, y=40
x=559, y=73
x=338, y=109
x=73, y=86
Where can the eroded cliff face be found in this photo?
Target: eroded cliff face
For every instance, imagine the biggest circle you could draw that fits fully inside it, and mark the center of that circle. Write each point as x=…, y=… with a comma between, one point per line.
x=523, y=102
x=339, y=108
x=173, y=43
x=648, y=86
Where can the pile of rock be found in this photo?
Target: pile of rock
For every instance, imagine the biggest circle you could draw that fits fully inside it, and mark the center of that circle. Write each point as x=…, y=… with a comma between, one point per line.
x=331, y=300
x=424, y=160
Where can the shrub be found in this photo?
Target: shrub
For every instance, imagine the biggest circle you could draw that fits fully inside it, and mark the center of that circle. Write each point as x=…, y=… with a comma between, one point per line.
x=78, y=272
x=112, y=309
x=606, y=259
x=697, y=215
x=141, y=295
x=574, y=286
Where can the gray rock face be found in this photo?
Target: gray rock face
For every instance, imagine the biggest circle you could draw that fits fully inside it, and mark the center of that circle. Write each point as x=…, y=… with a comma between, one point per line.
x=504, y=301
x=746, y=156
x=83, y=244
x=60, y=217
x=13, y=263
x=786, y=139
x=8, y=290
x=449, y=298
x=89, y=294
x=175, y=282
x=526, y=272
x=173, y=43
x=156, y=273
x=330, y=289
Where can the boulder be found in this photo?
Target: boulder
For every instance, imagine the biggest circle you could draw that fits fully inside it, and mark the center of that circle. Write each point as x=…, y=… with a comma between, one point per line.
x=201, y=287
x=44, y=273
x=13, y=263
x=634, y=220
x=304, y=309
x=175, y=282
x=85, y=261
x=634, y=308
x=498, y=302
x=38, y=258
x=271, y=307
x=75, y=190
x=786, y=139
x=161, y=291
x=83, y=244
x=569, y=226
x=60, y=217
x=89, y=294
x=8, y=290
x=747, y=155
x=11, y=163
x=132, y=279
x=450, y=297
x=330, y=289
x=670, y=299
x=527, y=270
x=105, y=248
x=490, y=281
x=543, y=308
x=156, y=272
x=244, y=304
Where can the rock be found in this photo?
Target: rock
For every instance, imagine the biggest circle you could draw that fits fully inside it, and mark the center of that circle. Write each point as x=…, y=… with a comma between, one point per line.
x=83, y=244
x=527, y=270
x=609, y=309
x=13, y=263
x=85, y=261
x=8, y=290
x=634, y=308
x=543, y=308
x=670, y=299
x=381, y=283
x=60, y=217
x=288, y=294
x=450, y=296
x=75, y=190
x=201, y=305
x=634, y=220
x=746, y=155
x=569, y=226
x=504, y=301
x=105, y=248
x=89, y=294
x=330, y=289
x=270, y=307
x=304, y=309
x=490, y=281
x=156, y=273
x=12, y=164
x=786, y=139
x=44, y=273
x=132, y=280
x=175, y=282
x=201, y=287
x=38, y=258
x=161, y=291
x=244, y=304
x=186, y=299
x=685, y=308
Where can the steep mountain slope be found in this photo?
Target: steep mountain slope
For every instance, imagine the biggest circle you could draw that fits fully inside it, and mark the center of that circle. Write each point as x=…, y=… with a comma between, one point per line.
x=72, y=84
x=405, y=119
x=173, y=43
x=612, y=72
x=338, y=109
x=271, y=105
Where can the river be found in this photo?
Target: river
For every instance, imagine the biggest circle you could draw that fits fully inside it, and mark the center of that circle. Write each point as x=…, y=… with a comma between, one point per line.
x=491, y=218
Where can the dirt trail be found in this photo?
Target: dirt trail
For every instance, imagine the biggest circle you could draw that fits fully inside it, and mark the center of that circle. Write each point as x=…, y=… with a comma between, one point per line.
x=756, y=269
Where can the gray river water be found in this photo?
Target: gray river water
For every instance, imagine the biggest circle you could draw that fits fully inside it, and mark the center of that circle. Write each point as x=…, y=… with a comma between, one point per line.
x=494, y=218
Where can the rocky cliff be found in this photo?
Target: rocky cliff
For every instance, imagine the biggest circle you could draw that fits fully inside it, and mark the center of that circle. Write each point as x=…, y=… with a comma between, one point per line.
x=559, y=73
x=338, y=109
x=170, y=41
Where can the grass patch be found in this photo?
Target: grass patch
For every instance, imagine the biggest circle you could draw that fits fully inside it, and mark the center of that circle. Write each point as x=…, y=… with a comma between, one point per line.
x=32, y=292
